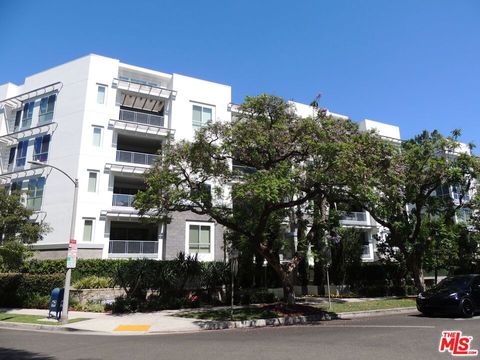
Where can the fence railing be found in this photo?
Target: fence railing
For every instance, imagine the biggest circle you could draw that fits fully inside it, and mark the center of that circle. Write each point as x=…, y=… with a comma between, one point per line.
x=129, y=247
x=123, y=200
x=136, y=157
x=142, y=118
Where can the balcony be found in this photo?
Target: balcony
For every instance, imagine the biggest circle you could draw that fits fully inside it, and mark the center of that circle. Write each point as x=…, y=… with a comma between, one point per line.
x=142, y=118
x=123, y=200
x=133, y=157
x=133, y=248
x=353, y=218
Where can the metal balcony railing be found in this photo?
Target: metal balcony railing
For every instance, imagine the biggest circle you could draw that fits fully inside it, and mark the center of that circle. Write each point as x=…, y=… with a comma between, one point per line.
x=133, y=247
x=136, y=157
x=123, y=200
x=142, y=118
x=353, y=216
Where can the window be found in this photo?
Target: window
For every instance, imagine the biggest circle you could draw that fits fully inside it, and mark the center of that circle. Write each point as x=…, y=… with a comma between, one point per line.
x=11, y=158
x=201, y=115
x=40, y=148
x=101, y=90
x=27, y=115
x=47, y=105
x=87, y=230
x=21, y=154
x=97, y=136
x=16, y=186
x=18, y=118
x=35, y=193
x=199, y=240
x=92, y=182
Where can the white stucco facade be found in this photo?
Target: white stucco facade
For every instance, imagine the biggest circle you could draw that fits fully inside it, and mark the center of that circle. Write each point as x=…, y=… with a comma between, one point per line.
x=109, y=121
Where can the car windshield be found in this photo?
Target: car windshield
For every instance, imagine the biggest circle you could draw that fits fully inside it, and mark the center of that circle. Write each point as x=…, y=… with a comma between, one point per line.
x=457, y=282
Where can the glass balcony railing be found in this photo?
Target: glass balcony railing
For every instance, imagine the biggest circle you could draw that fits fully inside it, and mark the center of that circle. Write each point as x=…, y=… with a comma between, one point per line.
x=142, y=118
x=136, y=157
x=129, y=248
x=353, y=216
x=125, y=200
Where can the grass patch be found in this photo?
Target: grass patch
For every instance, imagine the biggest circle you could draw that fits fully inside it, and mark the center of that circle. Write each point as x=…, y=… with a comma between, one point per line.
x=33, y=319
x=382, y=304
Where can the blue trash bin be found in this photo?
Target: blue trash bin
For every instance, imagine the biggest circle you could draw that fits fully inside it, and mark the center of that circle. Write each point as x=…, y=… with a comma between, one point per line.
x=56, y=303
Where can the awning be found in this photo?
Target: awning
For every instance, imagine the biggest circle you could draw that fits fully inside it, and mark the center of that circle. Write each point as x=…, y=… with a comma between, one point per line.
x=126, y=169
x=17, y=101
x=9, y=177
x=12, y=138
x=145, y=89
x=140, y=128
x=132, y=215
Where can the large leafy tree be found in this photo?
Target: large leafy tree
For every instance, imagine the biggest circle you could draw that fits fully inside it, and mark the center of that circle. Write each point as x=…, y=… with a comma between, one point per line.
x=281, y=162
x=399, y=185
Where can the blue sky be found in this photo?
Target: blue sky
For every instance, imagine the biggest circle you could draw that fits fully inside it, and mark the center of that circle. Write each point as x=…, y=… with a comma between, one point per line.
x=411, y=63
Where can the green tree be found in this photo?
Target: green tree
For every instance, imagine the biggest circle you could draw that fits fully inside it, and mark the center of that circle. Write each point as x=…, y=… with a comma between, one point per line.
x=16, y=230
x=396, y=183
x=280, y=162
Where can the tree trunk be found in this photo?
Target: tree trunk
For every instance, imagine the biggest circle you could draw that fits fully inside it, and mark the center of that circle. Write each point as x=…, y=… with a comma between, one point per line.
x=288, y=289
x=417, y=271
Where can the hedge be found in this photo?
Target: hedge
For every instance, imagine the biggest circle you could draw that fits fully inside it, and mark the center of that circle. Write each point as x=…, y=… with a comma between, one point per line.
x=26, y=290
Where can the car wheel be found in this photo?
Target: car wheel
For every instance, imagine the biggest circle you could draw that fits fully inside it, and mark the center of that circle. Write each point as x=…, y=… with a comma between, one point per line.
x=466, y=308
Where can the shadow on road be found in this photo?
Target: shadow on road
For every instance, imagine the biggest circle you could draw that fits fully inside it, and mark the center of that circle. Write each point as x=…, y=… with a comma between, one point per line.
x=10, y=354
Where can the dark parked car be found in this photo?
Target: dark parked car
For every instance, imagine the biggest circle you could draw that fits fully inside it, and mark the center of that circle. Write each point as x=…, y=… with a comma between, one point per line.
x=455, y=295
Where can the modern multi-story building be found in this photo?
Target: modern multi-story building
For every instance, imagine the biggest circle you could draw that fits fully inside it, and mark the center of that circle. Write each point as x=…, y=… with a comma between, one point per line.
x=104, y=122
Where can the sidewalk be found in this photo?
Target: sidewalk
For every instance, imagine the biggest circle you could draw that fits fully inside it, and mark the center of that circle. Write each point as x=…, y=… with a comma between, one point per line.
x=165, y=322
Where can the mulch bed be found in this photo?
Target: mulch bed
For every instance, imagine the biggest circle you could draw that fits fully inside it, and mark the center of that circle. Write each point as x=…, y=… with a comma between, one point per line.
x=292, y=310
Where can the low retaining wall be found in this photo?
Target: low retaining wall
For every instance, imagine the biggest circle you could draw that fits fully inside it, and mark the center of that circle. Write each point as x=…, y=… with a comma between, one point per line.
x=84, y=296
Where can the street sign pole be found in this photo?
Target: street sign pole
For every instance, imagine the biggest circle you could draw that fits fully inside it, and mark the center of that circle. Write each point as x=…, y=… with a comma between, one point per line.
x=71, y=257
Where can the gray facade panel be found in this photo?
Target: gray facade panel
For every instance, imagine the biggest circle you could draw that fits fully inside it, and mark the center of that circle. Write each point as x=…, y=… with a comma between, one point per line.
x=175, y=236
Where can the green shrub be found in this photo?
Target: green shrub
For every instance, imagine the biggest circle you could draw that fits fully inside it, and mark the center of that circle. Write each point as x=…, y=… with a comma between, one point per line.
x=93, y=282
x=24, y=290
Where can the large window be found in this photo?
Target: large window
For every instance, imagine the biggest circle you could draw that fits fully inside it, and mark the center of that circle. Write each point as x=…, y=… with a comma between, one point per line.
x=35, y=193
x=87, y=230
x=101, y=92
x=201, y=116
x=21, y=154
x=200, y=239
x=97, y=136
x=27, y=114
x=92, y=181
x=40, y=149
x=47, y=105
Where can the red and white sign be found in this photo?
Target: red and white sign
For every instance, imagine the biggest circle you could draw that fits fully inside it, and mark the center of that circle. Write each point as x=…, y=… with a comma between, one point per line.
x=456, y=344
x=72, y=254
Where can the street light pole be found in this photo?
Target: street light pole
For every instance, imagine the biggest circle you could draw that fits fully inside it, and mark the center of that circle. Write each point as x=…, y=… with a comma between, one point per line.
x=68, y=275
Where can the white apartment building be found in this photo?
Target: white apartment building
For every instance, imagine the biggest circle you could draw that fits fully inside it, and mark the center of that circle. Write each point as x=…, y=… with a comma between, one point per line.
x=104, y=122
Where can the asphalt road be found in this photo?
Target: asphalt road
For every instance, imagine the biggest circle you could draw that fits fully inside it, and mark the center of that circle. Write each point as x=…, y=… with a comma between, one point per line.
x=386, y=337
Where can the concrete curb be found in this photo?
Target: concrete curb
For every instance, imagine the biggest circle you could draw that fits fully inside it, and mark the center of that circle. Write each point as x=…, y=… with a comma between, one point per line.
x=299, y=320
x=380, y=312
x=51, y=328
x=289, y=320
